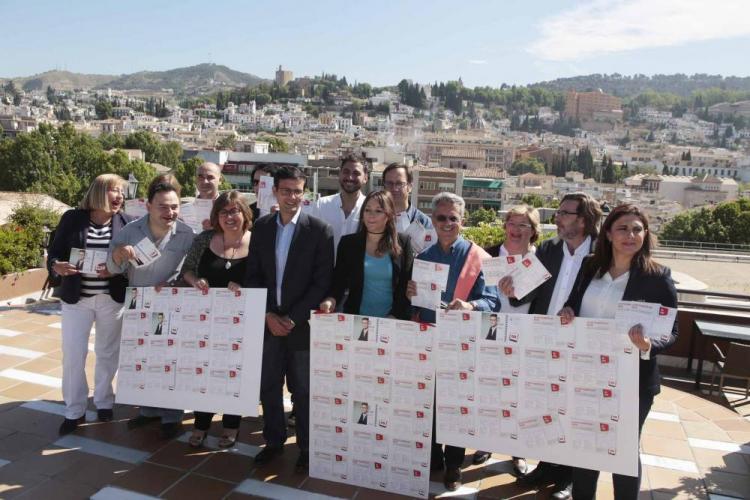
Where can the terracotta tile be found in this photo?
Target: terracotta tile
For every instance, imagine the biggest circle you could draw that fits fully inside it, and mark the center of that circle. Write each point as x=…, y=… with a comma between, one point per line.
x=680, y=495
x=33, y=422
x=737, y=424
x=54, y=395
x=40, y=365
x=14, y=483
x=227, y=466
x=691, y=402
x=145, y=439
x=689, y=416
x=7, y=383
x=102, y=431
x=148, y=478
x=10, y=361
x=18, y=444
x=94, y=471
x=57, y=354
x=705, y=430
x=49, y=461
x=674, y=482
x=199, y=487
x=739, y=436
x=716, y=412
x=721, y=460
x=669, y=394
x=724, y=483
x=25, y=391
x=664, y=447
x=672, y=430
x=502, y=485
x=662, y=405
x=329, y=488
x=61, y=490
x=180, y=455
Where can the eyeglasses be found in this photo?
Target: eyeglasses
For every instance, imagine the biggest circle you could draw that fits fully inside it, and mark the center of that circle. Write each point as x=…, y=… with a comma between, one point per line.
x=229, y=213
x=522, y=226
x=451, y=218
x=297, y=193
x=561, y=213
x=395, y=185
x=256, y=182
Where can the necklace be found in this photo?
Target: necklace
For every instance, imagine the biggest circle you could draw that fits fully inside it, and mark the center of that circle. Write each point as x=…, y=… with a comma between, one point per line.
x=234, y=250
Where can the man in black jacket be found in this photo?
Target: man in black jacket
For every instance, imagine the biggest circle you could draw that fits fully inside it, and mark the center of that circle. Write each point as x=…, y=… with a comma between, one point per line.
x=291, y=255
x=577, y=221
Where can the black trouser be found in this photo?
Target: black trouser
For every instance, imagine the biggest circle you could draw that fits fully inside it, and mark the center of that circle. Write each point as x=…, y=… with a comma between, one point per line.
x=279, y=360
x=626, y=487
x=203, y=420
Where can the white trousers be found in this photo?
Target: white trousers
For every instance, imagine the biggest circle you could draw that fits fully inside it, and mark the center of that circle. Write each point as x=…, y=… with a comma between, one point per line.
x=77, y=320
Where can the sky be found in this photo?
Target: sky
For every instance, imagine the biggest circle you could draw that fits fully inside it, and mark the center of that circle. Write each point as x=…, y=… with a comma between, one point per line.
x=485, y=42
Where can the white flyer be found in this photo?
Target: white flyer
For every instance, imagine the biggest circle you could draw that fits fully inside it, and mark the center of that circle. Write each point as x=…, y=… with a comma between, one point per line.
x=428, y=296
x=88, y=261
x=430, y=272
x=266, y=198
x=181, y=349
x=137, y=207
x=496, y=268
x=145, y=253
x=193, y=214
x=372, y=389
x=656, y=319
x=538, y=388
x=528, y=273
x=421, y=237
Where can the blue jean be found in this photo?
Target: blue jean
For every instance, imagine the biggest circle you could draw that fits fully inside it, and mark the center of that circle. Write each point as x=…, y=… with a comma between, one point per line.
x=279, y=360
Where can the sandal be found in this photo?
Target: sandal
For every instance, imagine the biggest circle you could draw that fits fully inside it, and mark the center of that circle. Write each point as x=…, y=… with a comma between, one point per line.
x=197, y=438
x=228, y=438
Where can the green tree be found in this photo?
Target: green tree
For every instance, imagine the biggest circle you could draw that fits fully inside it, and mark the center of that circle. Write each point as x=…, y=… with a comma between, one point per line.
x=229, y=142
x=527, y=165
x=51, y=98
x=482, y=215
x=103, y=109
x=485, y=235
x=533, y=200
x=276, y=144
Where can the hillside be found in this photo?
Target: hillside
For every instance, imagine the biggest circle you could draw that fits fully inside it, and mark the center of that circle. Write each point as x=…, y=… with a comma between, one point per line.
x=199, y=79
x=627, y=86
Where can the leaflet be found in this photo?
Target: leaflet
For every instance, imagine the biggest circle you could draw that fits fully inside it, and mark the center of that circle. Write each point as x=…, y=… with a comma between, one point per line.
x=145, y=253
x=193, y=214
x=88, y=261
x=177, y=352
x=528, y=273
x=372, y=387
x=266, y=198
x=421, y=237
x=535, y=386
x=657, y=320
x=430, y=272
x=496, y=268
x=428, y=296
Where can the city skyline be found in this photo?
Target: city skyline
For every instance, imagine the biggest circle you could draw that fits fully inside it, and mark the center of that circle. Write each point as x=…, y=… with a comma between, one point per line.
x=490, y=44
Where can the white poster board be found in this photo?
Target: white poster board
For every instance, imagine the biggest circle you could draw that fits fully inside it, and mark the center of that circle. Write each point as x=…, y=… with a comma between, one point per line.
x=371, y=402
x=530, y=386
x=183, y=348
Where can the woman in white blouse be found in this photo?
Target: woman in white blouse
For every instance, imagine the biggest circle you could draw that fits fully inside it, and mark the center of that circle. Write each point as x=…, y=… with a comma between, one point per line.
x=622, y=269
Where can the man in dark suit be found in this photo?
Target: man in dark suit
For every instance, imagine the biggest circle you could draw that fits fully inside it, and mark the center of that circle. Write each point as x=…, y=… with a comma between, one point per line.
x=159, y=324
x=363, y=416
x=365, y=329
x=492, y=332
x=291, y=255
x=133, y=298
x=577, y=220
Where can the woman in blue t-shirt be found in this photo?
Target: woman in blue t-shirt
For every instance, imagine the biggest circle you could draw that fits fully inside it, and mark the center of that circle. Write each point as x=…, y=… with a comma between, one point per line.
x=373, y=264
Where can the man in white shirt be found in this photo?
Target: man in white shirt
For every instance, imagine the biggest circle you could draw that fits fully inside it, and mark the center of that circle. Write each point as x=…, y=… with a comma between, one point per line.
x=577, y=221
x=341, y=210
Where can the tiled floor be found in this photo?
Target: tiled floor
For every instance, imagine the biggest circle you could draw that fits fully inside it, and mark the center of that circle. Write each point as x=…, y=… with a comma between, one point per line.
x=692, y=446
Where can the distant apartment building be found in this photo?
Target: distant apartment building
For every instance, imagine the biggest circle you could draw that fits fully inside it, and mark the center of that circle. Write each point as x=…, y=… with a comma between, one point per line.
x=596, y=111
x=689, y=191
x=479, y=153
x=283, y=76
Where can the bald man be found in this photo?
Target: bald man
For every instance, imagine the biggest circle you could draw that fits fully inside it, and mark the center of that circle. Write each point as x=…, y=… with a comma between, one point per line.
x=207, y=180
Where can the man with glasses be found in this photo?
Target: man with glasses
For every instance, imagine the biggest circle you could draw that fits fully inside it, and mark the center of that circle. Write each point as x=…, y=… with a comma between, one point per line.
x=465, y=290
x=341, y=210
x=397, y=180
x=291, y=255
x=577, y=221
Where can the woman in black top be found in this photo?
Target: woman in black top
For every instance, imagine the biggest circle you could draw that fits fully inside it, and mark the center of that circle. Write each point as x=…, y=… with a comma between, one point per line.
x=622, y=269
x=217, y=259
x=90, y=295
x=357, y=267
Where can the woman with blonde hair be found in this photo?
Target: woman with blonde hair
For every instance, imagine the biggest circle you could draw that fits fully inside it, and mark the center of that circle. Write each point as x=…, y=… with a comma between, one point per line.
x=89, y=297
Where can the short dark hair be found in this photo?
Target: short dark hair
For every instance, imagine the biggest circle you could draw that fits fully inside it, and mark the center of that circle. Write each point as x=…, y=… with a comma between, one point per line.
x=225, y=199
x=394, y=166
x=288, y=172
x=267, y=168
x=163, y=184
x=355, y=158
x=589, y=209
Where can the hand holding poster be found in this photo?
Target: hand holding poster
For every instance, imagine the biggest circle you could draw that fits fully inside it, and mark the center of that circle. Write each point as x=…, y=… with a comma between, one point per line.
x=527, y=273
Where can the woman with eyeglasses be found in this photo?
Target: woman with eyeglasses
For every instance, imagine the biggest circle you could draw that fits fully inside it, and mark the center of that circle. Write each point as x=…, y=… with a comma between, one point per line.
x=374, y=264
x=218, y=258
x=522, y=230
x=89, y=297
x=621, y=268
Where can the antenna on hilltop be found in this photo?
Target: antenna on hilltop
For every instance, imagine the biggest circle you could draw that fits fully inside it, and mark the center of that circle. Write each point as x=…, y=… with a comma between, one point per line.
x=210, y=61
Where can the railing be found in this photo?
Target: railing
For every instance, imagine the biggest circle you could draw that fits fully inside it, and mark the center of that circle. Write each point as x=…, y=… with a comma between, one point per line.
x=705, y=245
x=740, y=302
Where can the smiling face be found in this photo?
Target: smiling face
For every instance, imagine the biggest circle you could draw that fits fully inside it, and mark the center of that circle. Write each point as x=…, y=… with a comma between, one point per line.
x=627, y=234
x=518, y=233
x=208, y=178
x=375, y=217
x=231, y=218
x=163, y=209
x=115, y=198
x=396, y=182
x=570, y=225
x=352, y=177
x=447, y=221
x=493, y=321
x=289, y=194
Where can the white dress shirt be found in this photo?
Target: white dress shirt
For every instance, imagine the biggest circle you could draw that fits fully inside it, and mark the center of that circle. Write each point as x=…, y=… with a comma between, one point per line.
x=329, y=209
x=602, y=296
x=567, y=275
